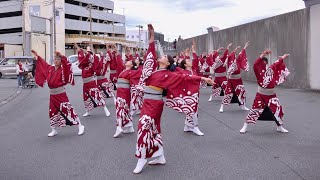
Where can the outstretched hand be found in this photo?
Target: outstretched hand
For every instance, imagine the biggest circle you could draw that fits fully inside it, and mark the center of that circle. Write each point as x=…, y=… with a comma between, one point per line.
x=34, y=53
x=208, y=81
x=76, y=46
x=285, y=56
x=229, y=45
x=237, y=48
x=247, y=44
x=220, y=49
x=151, y=32
x=265, y=52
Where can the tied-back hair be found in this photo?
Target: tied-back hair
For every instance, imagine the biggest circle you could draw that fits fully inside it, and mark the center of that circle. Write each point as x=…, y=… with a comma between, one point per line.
x=134, y=65
x=183, y=64
x=141, y=62
x=265, y=59
x=172, y=66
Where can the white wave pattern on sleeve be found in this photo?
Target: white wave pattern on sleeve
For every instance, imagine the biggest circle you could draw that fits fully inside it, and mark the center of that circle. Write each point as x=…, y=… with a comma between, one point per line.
x=147, y=69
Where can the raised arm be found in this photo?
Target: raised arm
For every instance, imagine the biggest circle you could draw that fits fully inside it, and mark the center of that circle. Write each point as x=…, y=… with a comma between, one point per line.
x=150, y=63
x=42, y=69
x=67, y=76
x=242, y=60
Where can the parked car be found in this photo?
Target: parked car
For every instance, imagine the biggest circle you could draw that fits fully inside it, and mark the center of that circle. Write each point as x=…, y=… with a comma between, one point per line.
x=73, y=59
x=8, y=65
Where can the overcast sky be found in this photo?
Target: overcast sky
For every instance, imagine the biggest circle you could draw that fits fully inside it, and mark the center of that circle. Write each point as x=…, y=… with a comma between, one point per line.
x=190, y=18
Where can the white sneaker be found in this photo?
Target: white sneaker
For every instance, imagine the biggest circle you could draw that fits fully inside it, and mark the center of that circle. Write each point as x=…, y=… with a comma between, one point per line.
x=53, y=133
x=210, y=99
x=243, y=107
x=81, y=130
x=187, y=129
x=197, y=131
x=244, y=128
x=86, y=114
x=160, y=160
x=128, y=130
x=221, y=109
x=106, y=111
x=118, y=132
x=281, y=129
x=140, y=165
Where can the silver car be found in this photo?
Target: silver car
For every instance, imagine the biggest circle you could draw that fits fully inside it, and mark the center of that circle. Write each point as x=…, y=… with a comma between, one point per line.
x=8, y=65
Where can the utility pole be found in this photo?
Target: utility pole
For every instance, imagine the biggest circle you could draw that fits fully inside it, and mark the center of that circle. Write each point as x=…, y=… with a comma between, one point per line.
x=139, y=26
x=54, y=26
x=90, y=21
x=23, y=28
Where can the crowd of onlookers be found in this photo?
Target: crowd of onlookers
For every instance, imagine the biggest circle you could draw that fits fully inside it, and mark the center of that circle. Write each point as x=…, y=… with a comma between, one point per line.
x=25, y=74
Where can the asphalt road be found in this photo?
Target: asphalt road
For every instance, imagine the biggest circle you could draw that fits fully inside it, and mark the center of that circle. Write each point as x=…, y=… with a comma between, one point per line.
x=27, y=153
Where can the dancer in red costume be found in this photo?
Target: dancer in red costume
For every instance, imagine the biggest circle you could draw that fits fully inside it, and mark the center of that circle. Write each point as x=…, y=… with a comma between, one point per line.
x=61, y=112
x=156, y=76
x=235, y=88
x=266, y=105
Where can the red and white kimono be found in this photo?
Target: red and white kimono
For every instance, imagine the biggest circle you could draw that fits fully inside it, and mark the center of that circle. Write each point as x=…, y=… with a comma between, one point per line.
x=186, y=104
x=220, y=79
x=92, y=97
x=149, y=141
x=124, y=118
x=105, y=86
x=235, y=85
x=116, y=66
x=61, y=112
x=266, y=102
x=197, y=68
x=136, y=95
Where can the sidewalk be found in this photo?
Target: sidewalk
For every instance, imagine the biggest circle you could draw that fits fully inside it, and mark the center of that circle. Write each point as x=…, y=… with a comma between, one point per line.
x=8, y=90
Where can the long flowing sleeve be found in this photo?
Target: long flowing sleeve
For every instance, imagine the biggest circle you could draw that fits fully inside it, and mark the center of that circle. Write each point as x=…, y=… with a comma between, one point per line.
x=242, y=61
x=84, y=60
x=280, y=71
x=219, y=62
x=211, y=58
x=42, y=70
x=183, y=93
x=120, y=66
x=231, y=65
x=67, y=76
x=195, y=63
x=149, y=65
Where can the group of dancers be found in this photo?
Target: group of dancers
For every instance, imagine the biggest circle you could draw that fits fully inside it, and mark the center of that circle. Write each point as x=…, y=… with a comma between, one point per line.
x=142, y=82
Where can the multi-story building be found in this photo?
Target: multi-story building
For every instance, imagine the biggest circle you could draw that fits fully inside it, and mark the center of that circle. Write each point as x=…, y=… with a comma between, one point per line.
x=30, y=24
x=133, y=35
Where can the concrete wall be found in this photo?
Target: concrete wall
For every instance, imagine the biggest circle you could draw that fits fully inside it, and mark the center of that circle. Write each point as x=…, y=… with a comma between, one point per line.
x=285, y=33
x=201, y=43
x=12, y=50
x=314, y=39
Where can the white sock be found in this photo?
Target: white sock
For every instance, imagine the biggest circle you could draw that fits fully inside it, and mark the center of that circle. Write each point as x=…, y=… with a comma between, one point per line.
x=158, y=160
x=244, y=128
x=221, y=108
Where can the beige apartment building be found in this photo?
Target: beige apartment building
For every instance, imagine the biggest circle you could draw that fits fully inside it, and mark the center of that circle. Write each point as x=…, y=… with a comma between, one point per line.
x=29, y=25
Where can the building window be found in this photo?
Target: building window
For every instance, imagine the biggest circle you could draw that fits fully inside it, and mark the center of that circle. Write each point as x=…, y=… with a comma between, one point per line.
x=34, y=10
